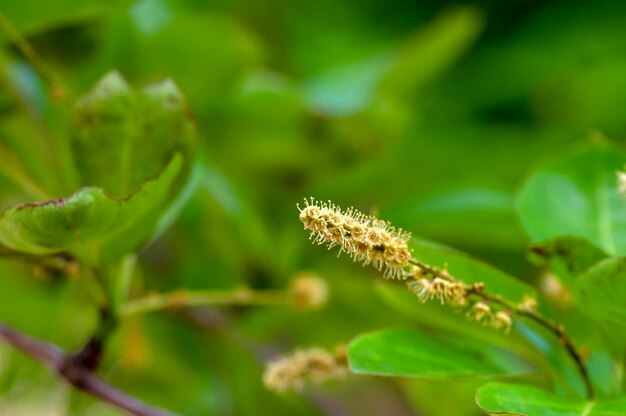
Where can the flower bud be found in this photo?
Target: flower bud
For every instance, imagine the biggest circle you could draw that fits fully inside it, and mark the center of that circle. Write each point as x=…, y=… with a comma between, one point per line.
x=308, y=291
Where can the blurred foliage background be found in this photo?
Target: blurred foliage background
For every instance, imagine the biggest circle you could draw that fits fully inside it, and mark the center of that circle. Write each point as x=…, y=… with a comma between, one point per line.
x=427, y=113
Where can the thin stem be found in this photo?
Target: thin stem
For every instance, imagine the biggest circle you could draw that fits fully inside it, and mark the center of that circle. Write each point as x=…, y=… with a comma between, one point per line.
x=185, y=298
x=59, y=90
x=567, y=342
x=59, y=156
x=76, y=375
x=99, y=277
x=557, y=329
x=42, y=166
x=122, y=279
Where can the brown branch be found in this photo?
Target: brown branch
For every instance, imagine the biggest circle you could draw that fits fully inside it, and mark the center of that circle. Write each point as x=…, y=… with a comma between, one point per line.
x=76, y=374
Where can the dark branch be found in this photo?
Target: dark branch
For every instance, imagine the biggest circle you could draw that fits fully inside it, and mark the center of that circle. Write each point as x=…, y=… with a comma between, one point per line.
x=75, y=373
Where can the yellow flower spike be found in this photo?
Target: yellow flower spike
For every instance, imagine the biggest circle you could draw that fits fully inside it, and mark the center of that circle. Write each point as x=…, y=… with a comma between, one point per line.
x=373, y=241
x=315, y=365
x=365, y=238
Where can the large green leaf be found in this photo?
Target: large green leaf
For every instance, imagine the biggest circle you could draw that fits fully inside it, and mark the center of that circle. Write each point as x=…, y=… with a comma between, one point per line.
x=88, y=221
x=430, y=51
x=409, y=353
x=601, y=291
x=470, y=270
x=218, y=51
x=469, y=215
x=33, y=16
x=122, y=136
x=577, y=196
x=398, y=73
x=516, y=399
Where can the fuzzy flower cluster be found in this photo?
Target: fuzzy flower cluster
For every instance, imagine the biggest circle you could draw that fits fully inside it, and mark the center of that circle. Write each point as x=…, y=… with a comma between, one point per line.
x=372, y=241
x=315, y=365
x=482, y=312
x=446, y=291
x=456, y=294
x=365, y=238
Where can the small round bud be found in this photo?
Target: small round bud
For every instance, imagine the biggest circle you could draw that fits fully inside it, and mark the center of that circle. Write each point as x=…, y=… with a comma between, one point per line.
x=529, y=303
x=308, y=291
x=502, y=320
x=42, y=272
x=416, y=272
x=479, y=311
x=72, y=269
x=446, y=291
x=555, y=290
x=243, y=294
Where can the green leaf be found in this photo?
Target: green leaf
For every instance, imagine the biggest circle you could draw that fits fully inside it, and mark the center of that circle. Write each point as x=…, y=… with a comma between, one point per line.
x=567, y=256
x=601, y=291
x=517, y=399
x=470, y=270
x=32, y=17
x=577, y=196
x=88, y=221
x=407, y=353
x=431, y=51
x=122, y=136
x=209, y=38
x=449, y=399
x=176, y=205
x=471, y=215
x=399, y=73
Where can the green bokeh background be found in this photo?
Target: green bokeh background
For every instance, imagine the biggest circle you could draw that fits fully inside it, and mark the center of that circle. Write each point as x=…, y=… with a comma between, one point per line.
x=429, y=114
